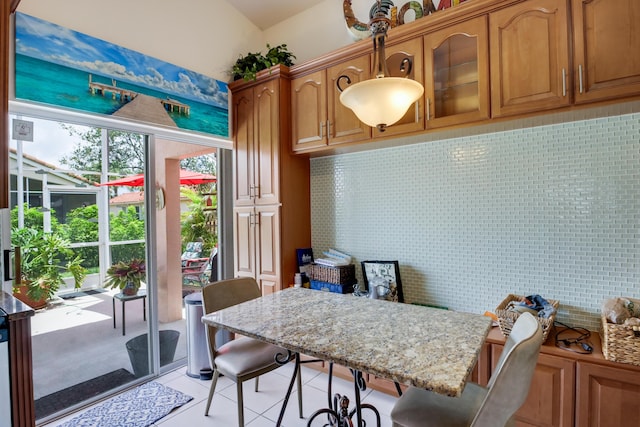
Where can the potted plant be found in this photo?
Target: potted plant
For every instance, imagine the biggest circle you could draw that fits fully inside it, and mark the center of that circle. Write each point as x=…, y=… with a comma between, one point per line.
x=126, y=276
x=246, y=67
x=45, y=258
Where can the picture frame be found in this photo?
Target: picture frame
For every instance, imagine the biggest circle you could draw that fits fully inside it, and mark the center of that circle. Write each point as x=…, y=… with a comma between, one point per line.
x=387, y=270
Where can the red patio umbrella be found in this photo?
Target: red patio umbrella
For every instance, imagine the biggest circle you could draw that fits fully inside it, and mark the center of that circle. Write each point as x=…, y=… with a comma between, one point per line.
x=186, y=178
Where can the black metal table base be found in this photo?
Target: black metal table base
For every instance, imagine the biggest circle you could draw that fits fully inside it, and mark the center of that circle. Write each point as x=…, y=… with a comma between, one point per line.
x=338, y=413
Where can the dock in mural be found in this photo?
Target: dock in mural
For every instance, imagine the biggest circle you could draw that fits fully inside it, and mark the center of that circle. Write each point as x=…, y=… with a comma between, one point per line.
x=147, y=109
x=124, y=95
x=139, y=106
x=176, y=106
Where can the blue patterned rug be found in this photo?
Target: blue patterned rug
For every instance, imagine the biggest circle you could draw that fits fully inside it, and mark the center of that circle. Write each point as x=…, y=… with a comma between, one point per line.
x=139, y=407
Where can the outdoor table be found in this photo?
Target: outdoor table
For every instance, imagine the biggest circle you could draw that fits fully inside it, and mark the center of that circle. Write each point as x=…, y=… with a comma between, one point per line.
x=142, y=293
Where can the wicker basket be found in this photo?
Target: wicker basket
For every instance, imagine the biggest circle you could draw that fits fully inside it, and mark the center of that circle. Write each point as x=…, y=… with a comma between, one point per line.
x=507, y=318
x=620, y=343
x=343, y=275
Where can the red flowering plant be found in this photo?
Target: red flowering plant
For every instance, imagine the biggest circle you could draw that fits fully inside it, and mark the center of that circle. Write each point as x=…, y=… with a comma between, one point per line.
x=127, y=276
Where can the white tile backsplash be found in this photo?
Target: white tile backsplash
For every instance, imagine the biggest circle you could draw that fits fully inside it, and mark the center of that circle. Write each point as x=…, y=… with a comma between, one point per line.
x=552, y=210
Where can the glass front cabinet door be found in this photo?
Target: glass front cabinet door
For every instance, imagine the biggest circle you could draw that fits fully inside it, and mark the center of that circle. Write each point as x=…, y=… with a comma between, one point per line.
x=457, y=74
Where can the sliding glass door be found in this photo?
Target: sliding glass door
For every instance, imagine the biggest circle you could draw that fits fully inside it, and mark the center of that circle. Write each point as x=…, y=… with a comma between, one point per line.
x=89, y=339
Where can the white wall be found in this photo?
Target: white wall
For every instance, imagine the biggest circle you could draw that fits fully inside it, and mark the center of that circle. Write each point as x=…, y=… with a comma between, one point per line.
x=314, y=32
x=200, y=35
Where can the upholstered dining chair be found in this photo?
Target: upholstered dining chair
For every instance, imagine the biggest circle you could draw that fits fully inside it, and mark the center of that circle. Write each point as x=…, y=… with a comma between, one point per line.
x=491, y=406
x=242, y=358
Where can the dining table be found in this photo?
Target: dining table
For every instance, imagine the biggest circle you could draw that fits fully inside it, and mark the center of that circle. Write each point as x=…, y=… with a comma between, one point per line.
x=416, y=345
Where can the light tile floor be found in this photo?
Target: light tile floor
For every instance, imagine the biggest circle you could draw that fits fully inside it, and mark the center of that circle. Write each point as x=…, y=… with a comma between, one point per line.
x=261, y=409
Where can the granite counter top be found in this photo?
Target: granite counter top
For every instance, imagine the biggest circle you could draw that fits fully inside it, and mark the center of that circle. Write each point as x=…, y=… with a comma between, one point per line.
x=414, y=345
x=14, y=308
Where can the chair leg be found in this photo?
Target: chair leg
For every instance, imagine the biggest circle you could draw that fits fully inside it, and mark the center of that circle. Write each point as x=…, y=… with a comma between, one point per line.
x=257, y=384
x=214, y=381
x=240, y=404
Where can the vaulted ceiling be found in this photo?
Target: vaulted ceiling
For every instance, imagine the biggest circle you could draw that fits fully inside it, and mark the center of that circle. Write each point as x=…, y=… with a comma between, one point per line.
x=266, y=13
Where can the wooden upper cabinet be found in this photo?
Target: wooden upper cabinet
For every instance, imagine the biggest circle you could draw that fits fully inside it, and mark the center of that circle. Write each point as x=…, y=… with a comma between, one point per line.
x=243, y=128
x=344, y=125
x=256, y=138
x=457, y=74
x=529, y=53
x=413, y=120
x=266, y=143
x=309, y=111
x=318, y=117
x=606, y=48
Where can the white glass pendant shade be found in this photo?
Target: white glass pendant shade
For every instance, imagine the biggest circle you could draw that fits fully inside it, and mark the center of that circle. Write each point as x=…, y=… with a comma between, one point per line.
x=380, y=102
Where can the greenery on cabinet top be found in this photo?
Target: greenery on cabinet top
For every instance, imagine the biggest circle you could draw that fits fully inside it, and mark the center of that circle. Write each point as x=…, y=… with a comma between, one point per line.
x=248, y=66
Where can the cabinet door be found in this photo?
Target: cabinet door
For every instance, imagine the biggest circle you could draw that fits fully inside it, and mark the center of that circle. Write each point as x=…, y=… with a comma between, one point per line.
x=606, y=48
x=413, y=120
x=529, y=52
x=344, y=126
x=607, y=396
x=266, y=143
x=309, y=111
x=550, y=399
x=267, y=230
x=457, y=74
x=243, y=126
x=244, y=239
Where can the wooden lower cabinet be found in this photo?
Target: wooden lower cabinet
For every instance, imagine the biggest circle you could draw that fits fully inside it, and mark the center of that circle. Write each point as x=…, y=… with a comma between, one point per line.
x=607, y=396
x=257, y=248
x=482, y=370
x=551, y=396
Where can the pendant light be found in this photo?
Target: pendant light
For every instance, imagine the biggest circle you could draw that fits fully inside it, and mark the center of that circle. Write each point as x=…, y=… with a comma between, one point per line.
x=383, y=100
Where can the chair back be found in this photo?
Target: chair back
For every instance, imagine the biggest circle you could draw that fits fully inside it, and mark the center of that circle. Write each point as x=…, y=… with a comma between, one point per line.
x=226, y=293
x=193, y=250
x=510, y=382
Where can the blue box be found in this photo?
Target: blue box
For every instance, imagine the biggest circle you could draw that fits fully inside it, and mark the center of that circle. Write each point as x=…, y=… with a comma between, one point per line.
x=331, y=287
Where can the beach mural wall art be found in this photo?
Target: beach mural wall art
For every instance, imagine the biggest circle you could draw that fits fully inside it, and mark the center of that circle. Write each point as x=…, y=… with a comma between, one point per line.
x=55, y=65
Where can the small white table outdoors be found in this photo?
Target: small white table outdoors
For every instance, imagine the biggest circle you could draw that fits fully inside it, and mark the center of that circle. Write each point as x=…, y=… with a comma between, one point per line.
x=410, y=344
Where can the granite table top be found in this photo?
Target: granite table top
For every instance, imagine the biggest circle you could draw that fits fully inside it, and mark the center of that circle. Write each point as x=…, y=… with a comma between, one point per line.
x=415, y=345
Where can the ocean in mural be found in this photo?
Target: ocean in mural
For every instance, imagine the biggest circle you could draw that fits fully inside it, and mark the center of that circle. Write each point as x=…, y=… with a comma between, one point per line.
x=61, y=67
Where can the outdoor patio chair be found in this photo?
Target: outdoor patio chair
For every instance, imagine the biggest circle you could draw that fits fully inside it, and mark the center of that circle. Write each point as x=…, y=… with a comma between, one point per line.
x=193, y=253
x=200, y=272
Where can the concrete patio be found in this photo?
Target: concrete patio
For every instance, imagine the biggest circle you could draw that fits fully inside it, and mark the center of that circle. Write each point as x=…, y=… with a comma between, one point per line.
x=74, y=339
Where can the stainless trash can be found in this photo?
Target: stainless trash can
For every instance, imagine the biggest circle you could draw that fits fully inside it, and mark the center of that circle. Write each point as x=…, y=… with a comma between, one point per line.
x=197, y=348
